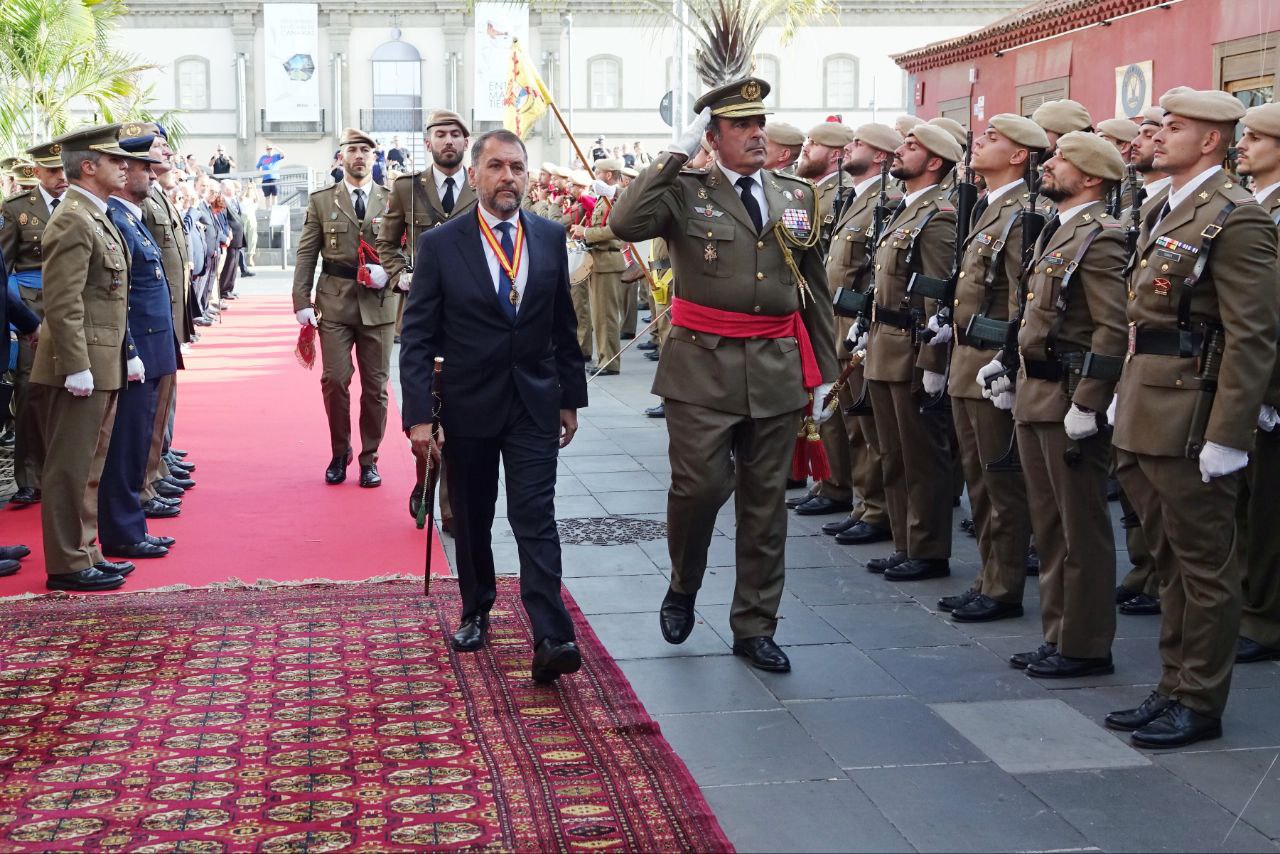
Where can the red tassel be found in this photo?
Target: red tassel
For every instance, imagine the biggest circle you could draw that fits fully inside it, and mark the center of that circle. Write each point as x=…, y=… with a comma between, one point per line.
x=809, y=457
x=305, y=351
x=799, y=465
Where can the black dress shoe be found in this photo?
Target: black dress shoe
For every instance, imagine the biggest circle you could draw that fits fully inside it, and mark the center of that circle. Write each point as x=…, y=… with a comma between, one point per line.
x=26, y=495
x=446, y=525
x=167, y=542
x=1113, y=489
x=1141, y=605
x=176, y=465
x=180, y=482
x=627, y=336
x=647, y=345
x=85, y=581
x=918, y=569
x=369, y=477
x=1022, y=660
x=984, y=609
x=950, y=603
x=553, y=659
x=415, y=500
x=179, y=453
x=337, y=471
x=471, y=634
x=763, y=653
x=863, y=533
x=676, y=616
x=137, y=551
x=14, y=552
x=967, y=526
x=1249, y=650
x=793, y=503
x=167, y=490
x=1177, y=726
x=821, y=506
x=880, y=564
x=168, y=502
x=1124, y=594
x=1033, y=561
x=648, y=318
x=839, y=526
x=121, y=567
x=1128, y=720
x=155, y=510
x=9, y=567
x=659, y=411
x=652, y=355
x=1059, y=666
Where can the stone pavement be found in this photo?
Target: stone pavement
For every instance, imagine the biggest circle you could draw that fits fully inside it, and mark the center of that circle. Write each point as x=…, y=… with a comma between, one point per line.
x=897, y=730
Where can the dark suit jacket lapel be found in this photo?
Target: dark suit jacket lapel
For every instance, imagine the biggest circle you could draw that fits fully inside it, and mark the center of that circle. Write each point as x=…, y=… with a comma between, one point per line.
x=472, y=250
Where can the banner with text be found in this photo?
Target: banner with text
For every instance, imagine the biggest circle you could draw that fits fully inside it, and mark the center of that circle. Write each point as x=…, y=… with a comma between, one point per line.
x=292, y=43
x=496, y=25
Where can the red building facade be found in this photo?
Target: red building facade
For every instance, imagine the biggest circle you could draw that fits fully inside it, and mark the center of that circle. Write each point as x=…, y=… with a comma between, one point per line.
x=1117, y=57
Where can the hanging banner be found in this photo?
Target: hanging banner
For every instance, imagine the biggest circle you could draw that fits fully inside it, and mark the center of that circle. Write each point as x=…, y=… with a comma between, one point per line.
x=291, y=37
x=1133, y=89
x=496, y=24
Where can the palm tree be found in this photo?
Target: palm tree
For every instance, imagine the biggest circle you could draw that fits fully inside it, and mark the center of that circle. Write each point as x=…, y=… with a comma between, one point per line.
x=56, y=57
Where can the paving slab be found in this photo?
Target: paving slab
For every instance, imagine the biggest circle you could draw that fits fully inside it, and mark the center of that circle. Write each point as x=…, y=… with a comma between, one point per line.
x=718, y=683
x=798, y=625
x=883, y=732
x=638, y=636
x=747, y=747
x=1234, y=779
x=828, y=672
x=620, y=594
x=840, y=585
x=890, y=625
x=955, y=673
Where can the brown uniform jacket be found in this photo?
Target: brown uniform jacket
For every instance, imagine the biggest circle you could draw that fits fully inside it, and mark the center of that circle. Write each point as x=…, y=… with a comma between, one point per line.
x=22, y=222
x=606, y=248
x=826, y=190
x=86, y=288
x=891, y=355
x=416, y=194
x=720, y=261
x=1271, y=204
x=165, y=224
x=994, y=239
x=848, y=264
x=1094, y=320
x=332, y=233
x=1238, y=289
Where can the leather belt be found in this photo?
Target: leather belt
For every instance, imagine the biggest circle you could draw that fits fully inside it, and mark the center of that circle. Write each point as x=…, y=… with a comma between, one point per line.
x=896, y=319
x=1163, y=342
x=341, y=271
x=1043, y=370
x=975, y=343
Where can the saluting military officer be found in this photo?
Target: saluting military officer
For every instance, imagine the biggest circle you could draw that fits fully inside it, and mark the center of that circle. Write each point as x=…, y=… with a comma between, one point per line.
x=751, y=336
x=1259, y=158
x=22, y=224
x=1061, y=116
x=1202, y=306
x=604, y=288
x=417, y=203
x=854, y=448
x=85, y=357
x=1072, y=341
x=920, y=238
x=353, y=305
x=986, y=302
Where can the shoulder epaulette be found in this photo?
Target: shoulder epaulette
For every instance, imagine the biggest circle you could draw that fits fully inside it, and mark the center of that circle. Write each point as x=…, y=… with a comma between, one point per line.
x=944, y=205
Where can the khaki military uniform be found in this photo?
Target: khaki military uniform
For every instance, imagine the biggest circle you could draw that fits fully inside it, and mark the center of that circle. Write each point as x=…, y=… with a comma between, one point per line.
x=990, y=271
x=85, y=327
x=1190, y=525
x=22, y=224
x=659, y=270
x=350, y=314
x=853, y=447
x=914, y=446
x=1068, y=506
x=733, y=404
x=604, y=288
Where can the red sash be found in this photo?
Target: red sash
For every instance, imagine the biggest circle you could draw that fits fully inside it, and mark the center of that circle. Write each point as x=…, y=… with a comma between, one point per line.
x=734, y=324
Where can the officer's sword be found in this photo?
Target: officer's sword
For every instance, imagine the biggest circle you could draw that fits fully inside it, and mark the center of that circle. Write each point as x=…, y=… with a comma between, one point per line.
x=639, y=335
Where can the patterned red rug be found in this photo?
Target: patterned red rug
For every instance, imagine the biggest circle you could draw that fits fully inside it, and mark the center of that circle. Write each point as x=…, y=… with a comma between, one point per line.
x=321, y=718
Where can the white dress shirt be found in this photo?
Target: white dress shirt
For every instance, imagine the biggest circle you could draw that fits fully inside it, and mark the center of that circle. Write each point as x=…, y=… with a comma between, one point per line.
x=993, y=196
x=863, y=186
x=757, y=188
x=910, y=198
x=1177, y=198
x=491, y=257
x=49, y=199
x=458, y=177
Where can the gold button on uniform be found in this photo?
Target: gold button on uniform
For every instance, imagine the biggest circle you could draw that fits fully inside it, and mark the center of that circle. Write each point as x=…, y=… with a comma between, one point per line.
x=1164, y=268
x=1031, y=295
x=760, y=244
x=957, y=303
x=708, y=234
x=757, y=309
x=1144, y=263
x=962, y=274
x=877, y=266
x=759, y=276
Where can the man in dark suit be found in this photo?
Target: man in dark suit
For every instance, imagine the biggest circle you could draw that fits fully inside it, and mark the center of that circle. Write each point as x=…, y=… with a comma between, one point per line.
x=231, y=267
x=490, y=295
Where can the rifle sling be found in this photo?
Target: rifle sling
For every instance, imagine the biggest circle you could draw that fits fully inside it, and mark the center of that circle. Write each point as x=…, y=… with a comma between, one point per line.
x=1187, y=290
x=1051, y=339
x=997, y=249
x=911, y=253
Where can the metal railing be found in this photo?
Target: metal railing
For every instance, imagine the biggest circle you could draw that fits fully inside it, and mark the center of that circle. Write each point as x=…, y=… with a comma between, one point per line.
x=385, y=120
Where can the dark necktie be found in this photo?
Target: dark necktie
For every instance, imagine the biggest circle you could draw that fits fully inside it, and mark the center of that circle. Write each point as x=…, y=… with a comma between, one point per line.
x=53, y=206
x=1164, y=212
x=1050, y=227
x=359, y=205
x=978, y=210
x=504, y=281
x=1142, y=196
x=745, y=183
x=448, y=200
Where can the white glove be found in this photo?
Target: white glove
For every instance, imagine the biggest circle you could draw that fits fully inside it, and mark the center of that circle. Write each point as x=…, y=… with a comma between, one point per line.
x=1079, y=423
x=80, y=383
x=941, y=332
x=603, y=190
x=403, y=281
x=1217, y=460
x=1111, y=410
x=691, y=139
x=856, y=345
x=1268, y=418
x=999, y=386
x=933, y=382
x=378, y=275
x=306, y=316
x=136, y=371
x=1003, y=400
x=821, y=413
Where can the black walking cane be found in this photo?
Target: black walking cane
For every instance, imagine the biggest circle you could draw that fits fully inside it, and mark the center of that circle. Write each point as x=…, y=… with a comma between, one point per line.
x=429, y=482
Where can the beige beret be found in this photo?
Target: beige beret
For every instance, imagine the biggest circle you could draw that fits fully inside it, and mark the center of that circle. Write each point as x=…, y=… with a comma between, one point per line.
x=953, y=127
x=904, y=124
x=781, y=133
x=549, y=167
x=1021, y=130
x=1264, y=119
x=629, y=172
x=1152, y=116
x=355, y=136
x=831, y=134
x=879, y=136
x=607, y=164
x=580, y=177
x=1062, y=116
x=938, y=141
x=1208, y=105
x=1091, y=154
x=1122, y=129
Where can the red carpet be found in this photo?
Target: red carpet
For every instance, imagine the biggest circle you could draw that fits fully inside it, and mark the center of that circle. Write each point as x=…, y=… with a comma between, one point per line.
x=253, y=421
x=322, y=718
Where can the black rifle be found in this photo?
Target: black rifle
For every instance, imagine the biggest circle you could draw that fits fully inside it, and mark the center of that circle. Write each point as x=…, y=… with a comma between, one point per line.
x=1208, y=364
x=1134, y=230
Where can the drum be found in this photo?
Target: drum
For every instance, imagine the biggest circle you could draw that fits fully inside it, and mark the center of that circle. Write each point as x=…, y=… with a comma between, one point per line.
x=579, y=262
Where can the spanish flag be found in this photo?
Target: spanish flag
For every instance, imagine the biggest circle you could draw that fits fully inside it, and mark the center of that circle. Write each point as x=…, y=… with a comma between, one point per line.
x=526, y=99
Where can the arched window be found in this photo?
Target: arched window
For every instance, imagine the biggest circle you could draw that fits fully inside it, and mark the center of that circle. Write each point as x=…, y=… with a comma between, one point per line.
x=191, y=74
x=840, y=82
x=397, y=88
x=768, y=69
x=604, y=74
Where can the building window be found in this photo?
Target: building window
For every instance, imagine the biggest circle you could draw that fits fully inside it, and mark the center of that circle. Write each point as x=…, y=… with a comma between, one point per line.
x=840, y=82
x=192, y=75
x=1033, y=95
x=769, y=70
x=397, y=92
x=956, y=108
x=605, y=76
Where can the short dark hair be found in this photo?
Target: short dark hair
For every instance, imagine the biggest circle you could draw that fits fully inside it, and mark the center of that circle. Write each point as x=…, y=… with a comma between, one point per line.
x=501, y=135
x=73, y=160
